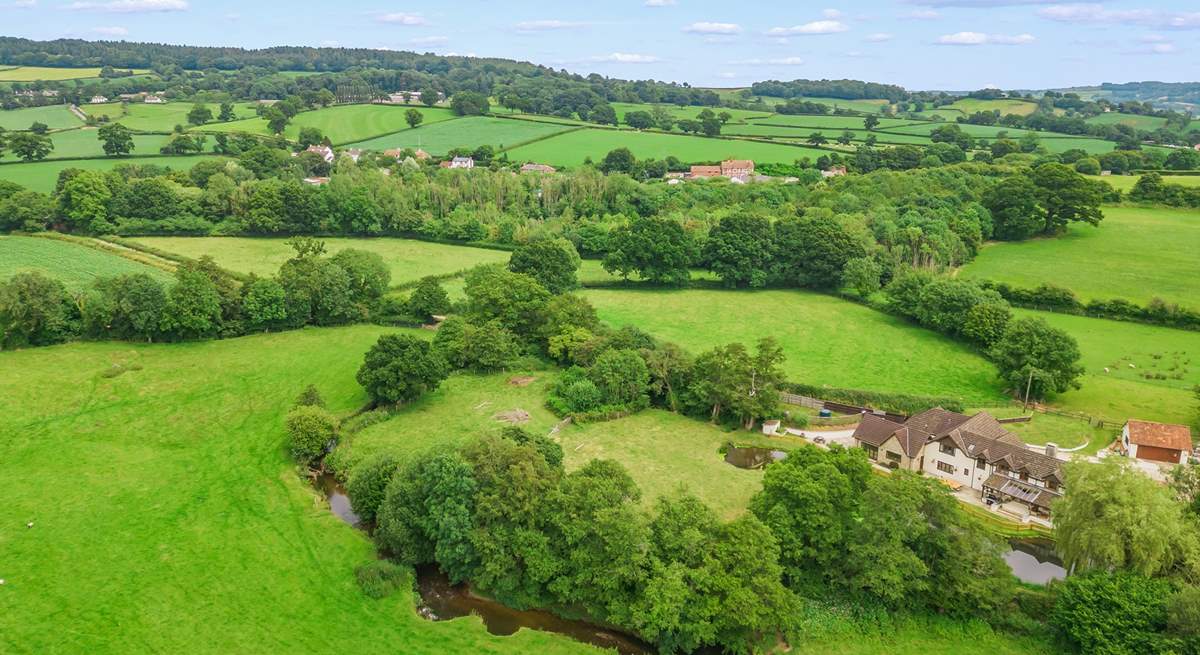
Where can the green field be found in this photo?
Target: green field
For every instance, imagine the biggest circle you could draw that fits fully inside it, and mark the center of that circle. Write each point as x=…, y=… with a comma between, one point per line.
x=969, y=106
x=75, y=265
x=1124, y=391
x=158, y=118
x=1135, y=253
x=829, y=122
x=85, y=142
x=340, y=123
x=827, y=341
x=570, y=149
x=42, y=175
x=761, y=129
x=469, y=132
x=1066, y=431
x=56, y=117
x=689, y=111
x=1148, y=123
x=408, y=259
x=172, y=480
x=1125, y=183
x=34, y=73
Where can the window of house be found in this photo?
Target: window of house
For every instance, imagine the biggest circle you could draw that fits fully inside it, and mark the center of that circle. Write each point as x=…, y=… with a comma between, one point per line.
x=947, y=449
x=872, y=451
x=980, y=463
x=1024, y=477
x=945, y=468
x=1051, y=485
x=893, y=457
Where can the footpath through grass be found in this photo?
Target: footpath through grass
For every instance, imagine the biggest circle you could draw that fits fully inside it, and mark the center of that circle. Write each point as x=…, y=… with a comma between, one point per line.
x=1135, y=253
x=167, y=517
x=75, y=265
x=827, y=341
x=408, y=259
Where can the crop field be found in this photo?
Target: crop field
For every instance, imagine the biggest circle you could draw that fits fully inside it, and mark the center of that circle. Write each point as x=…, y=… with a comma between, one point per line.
x=34, y=73
x=74, y=265
x=408, y=259
x=570, y=149
x=42, y=175
x=158, y=118
x=1135, y=253
x=168, y=474
x=56, y=117
x=827, y=341
x=688, y=111
x=341, y=123
x=1150, y=372
x=469, y=132
x=85, y=142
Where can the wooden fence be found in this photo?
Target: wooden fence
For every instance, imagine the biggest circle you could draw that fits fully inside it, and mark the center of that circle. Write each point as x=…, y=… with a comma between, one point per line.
x=840, y=408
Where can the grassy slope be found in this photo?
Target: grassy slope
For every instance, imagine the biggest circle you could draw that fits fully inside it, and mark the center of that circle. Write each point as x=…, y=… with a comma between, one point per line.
x=572, y=148
x=469, y=132
x=408, y=259
x=971, y=105
x=32, y=73
x=679, y=113
x=827, y=341
x=828, y=122
x=168, y=519
x=1149, y=123
x=85, y=142
x=41, y=176
x=158, y=118
x=1135, y=253
x=1124, y=392
x=830, y=133
x=341, y=123
x=56, y=117
x=1125, y=183
x=75, y=265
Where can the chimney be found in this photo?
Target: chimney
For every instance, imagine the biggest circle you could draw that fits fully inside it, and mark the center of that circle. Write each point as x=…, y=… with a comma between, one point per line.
x=1051, y=449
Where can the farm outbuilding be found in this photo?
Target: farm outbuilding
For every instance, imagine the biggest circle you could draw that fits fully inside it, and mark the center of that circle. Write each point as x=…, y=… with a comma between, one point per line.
x=1156, y=442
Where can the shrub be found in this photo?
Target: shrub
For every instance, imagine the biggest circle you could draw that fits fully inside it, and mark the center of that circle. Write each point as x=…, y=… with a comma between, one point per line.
x=311, y=430
x=368, y=484
x=380, y=578
x=1113, y=613
x=310, y=397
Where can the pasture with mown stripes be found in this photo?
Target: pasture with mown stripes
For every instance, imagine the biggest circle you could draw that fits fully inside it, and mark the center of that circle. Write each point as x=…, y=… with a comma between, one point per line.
x=75, y=265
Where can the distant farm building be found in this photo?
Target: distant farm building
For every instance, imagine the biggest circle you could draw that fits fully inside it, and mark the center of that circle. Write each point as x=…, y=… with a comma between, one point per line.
x=325, y=151
x=155, y=99
x=737, y=168
x=834, y=171
x=705, y=171
x=1156, y=442
x=316, y=181
x=459, y=162
x=98, y=100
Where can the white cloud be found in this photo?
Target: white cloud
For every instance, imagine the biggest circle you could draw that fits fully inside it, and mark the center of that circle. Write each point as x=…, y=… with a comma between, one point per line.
x=815, y=27
x=781, y=61
x=705, y=27
x=401, y=18
x=130, y=6
x=879, y=37
x=1098, y=14
x=110, y=31
x=626, y=58
x=429, y=40
x=660, y=3
x=979, y=38
x=546, y=25
x=832, y=14
x=922, y=14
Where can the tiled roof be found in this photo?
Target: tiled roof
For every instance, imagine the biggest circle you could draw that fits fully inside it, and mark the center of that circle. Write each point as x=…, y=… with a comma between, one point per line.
x=1029, y=493
x=936, y=421
x=1010, y=452
x=1160, y=435
x=876, y=430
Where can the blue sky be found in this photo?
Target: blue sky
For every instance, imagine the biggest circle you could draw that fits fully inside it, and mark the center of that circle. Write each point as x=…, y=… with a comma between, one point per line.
x=921, y=44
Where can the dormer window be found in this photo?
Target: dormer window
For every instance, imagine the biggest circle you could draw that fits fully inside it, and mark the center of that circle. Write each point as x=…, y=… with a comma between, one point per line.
x=947, y=449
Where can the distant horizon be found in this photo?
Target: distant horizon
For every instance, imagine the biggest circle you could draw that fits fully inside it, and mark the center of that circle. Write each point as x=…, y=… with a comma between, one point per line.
x=918, y=44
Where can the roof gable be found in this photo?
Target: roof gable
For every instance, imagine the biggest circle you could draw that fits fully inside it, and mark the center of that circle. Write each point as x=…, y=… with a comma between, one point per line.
x=1160, y=435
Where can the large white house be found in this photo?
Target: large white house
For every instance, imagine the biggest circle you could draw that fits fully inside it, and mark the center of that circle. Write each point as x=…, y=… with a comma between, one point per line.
x=975, y=452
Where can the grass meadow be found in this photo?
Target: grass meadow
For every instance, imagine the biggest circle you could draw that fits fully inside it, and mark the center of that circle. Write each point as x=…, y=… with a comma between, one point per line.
x=1135, y=253
x=1019, y=107
x=42, y=175
x=85, y=142
x=469, y=132
x=829, y=122
x=1125, y=183
x=56, y=117
x=827, y=341
x=75, y=265
x=689, y=111
x=1151, y=369
x=158, y=118
x=408, y=259
x=164, y=504
x=341, y=123
x=34, y=73
x=572, y=148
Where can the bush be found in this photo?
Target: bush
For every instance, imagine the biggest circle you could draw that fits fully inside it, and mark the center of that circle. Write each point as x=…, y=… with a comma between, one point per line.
x=35, y=311
x=380, y=578
x=400, y=368
x=1113, y=613
x=310, y=397
x=368, y=484
x=311, y=431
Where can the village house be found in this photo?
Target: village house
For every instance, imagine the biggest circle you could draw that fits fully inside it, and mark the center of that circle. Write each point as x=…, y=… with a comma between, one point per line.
x=834, y=171
x=537, y=168
x=974, y=452
x=459, y=162
x=737, y=168
x=325, y=151
x=353, y=153
x=1156, y=442
x=154, y=99
x=98, y=100
x=705, y=171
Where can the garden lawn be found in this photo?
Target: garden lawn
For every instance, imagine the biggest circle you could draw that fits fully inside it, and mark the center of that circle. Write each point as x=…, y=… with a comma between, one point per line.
x=470, y=132
x=42, y=175
x=827, y=341
x=342, y=124
x=1064, y=431
x=74, y=265
x=571, y=148
x=1151, y=370
x=56, y=117
x=34, y=73
x=159, y=118
x=407, y=259
x=1135, y=253
x=164, y=505
x=663, y=452
x=85, y=142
